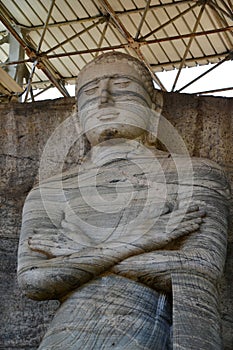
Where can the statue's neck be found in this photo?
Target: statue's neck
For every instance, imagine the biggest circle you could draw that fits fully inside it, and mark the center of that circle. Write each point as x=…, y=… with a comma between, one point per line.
x=111, y=150
x=119, y=149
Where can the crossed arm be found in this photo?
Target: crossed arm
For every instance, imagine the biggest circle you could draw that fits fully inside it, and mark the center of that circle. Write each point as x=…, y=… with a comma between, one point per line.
x=52, y=263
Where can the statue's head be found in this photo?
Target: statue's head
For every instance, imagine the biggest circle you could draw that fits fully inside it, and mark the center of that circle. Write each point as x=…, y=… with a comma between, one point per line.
x=115, y=96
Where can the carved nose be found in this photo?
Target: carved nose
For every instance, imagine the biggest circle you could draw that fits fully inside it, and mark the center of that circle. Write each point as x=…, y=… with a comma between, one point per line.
x=105, y=96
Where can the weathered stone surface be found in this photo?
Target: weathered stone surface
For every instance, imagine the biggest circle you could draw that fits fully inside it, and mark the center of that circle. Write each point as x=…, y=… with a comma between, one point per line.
x=213, y=141
x=149, y=220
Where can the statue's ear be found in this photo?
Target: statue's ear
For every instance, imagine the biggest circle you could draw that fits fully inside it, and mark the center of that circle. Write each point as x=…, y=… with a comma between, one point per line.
x=157, y=101
x=157, y=106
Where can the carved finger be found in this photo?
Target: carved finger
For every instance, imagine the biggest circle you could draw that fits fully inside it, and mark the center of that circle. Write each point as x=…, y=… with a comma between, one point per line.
x=186, y=217
x=186, y=224
x=185, y=230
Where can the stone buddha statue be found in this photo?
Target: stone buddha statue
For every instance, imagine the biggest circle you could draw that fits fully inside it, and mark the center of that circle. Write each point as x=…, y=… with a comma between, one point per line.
x=132, y=241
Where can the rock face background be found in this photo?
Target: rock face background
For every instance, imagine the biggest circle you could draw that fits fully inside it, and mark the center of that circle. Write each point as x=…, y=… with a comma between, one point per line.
x=206, y=125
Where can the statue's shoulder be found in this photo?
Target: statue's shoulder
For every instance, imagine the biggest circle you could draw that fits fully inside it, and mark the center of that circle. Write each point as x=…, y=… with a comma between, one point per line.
x=54, y=184
x=203, y=172
x=208, y=173
x=197, y=163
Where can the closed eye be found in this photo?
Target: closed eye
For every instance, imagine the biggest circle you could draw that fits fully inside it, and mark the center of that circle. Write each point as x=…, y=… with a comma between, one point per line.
x=121, y=84
x=91, y=91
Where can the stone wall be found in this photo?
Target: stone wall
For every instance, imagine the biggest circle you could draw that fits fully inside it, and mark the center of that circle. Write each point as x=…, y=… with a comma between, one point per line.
x=206, y=125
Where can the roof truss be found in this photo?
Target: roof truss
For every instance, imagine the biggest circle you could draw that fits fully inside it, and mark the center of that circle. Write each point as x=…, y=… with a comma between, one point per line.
x=163, y=34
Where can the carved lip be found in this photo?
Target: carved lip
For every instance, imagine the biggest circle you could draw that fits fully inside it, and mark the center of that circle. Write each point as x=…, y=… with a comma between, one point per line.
x=107, y=114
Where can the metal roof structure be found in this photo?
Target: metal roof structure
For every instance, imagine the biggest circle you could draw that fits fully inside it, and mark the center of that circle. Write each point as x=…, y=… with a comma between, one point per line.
x=46, y=43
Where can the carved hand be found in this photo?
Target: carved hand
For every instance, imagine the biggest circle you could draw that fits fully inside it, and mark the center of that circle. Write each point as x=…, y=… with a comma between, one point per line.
x=55, y=242
x=69, y=239
x=170, y=227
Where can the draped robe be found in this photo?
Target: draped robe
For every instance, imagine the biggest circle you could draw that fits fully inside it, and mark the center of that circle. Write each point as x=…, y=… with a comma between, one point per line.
x=113, y=299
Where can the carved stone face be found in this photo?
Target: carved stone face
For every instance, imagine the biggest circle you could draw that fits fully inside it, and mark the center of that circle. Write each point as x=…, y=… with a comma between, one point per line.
x=113, y=103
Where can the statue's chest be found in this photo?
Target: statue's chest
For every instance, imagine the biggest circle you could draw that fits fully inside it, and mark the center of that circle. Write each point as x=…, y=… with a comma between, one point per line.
x=116, y=197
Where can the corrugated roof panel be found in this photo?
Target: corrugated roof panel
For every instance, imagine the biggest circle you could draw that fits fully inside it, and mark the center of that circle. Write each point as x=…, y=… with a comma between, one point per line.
x=77, y=62
x=17, y=10
x=113, y=36
x=127, y=5
x=34, y=37
x=207, y=47
x=64, y=8
x=95, y=34
x=105, y=40
x=180, y=47
x=218, y=42
x=130, y=24
x=31, y=12
x=61, y=68
x=149, y=53
x=207, y=24
x=66, y=62
x=159, y=53
x=39, y=10
x=88, y=41
x=117, y=5
x=139, y=3
x=78, y=8
x=173, y=56
x=195, y=50
x=51, y=38
x=90, y=7
x=57, y=15
x=145, y=28
x=152, y=22
x=168, y=53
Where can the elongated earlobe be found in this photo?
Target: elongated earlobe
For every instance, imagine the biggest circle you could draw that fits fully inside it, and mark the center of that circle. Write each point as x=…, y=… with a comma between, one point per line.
x=157, y=107
x=157, y=101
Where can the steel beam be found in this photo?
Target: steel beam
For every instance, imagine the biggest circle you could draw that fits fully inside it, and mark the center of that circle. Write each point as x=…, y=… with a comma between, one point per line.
x=189, y=35
x=131, y=42
x=30, y=81
x=196, y=60
x=32, y=54
x=168, y=22
x=227, y=7
x=154, y=67
x=228, y=57
x=213, y=91
x=188, y=46
x=118, y=13
x=216, y=6
x=45, y=26
x=142, y=19
x=102, y=37
x=121, y=46
x=103, y=19
x=41, y=92
x=221, y=21
x=9, y=83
